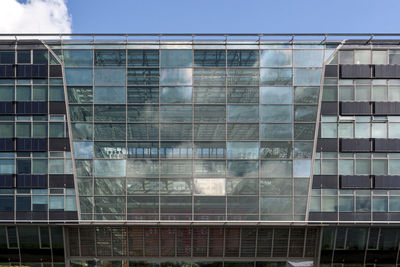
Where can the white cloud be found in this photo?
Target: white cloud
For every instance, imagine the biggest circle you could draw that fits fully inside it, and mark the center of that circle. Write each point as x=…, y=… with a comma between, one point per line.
x=34, y=16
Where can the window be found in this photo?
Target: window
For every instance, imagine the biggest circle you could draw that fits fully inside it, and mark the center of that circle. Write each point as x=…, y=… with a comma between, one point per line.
x=276, y=58
x=242, y=150
x=276, y=95
x=176, y=94
x=115, y=168
x=176, y=58
x=109, y=95
x=110, y=76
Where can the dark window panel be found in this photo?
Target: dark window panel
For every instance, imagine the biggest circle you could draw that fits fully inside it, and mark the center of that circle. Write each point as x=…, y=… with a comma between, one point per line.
x=329, y=108
x=387, y=145
x=59, y=144
x=27, y=108
x=31, y=181
x=355, y=145
x=55, y=71
x=355, y=71
x=325, y=182
x=61, y=180
x=387, y=108
x=7, y=71
x=355, y=182
x=387, y=182
x=32, y=71
x=7, y=144
x=31, y=144
x=327, y=145
x=355, y=108
x=331, y=71
x=387, y=71
x=57, y=107
x=6, y=181
x=6, y=108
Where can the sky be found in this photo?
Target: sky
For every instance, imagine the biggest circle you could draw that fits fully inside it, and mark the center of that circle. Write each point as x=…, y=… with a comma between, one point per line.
x=199, y=16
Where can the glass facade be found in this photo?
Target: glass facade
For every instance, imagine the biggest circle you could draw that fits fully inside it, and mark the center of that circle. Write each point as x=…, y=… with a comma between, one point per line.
x=199, y=153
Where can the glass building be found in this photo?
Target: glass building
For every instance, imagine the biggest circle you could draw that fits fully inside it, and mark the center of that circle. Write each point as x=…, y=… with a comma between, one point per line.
x=200, y=150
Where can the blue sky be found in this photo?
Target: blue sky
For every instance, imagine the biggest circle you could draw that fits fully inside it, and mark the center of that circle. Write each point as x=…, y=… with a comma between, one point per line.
x=234, y=16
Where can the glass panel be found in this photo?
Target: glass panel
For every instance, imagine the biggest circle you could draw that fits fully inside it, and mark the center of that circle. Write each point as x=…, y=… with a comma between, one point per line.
x=209, y=186
x=81, y=112
x=276, y=131
x=362, y=56
x=147, y=58
x=276, y=76
x=143, y=95
x=307, y=76
x=242, y=150
x=40, y=93
x=305, y=113
x=115, y=168
x=109, y=113
x=276, y=150
x=277, y=168
x=108, y=57
x=243, y=58
x=56, y=129
x=23, y=130
x=79, y=94
x=6, y=93
x=209, y=58
x=109, y=131
x=176, y=58
x=176, y=114
x=306, y=94
x=142, y=131
x=209, y=132
x=112, y=150
x=176, y=94
x=276, y=58
x=176, y=76
x=7, y=57
x=23, y=93
x=242, y=113
x=79, y=76
x=308, y=58
x=346, y=130
x=209, y=113
x=304, y=131
x=276, y=113
x=176, y=131
x=109, y=95
x=83, y=150
x=78, y=58
x=276, y=95
x=80, y=131
x=143, y=113
x=56, y=93
x=110, y=76
x=301, y=168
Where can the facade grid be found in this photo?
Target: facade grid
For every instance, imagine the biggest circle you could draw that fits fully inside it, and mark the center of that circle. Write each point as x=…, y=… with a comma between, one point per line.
x=199, y=152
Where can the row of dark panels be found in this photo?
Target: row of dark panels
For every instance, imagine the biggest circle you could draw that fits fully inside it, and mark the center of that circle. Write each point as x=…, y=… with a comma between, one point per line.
x=34, y=144
x=378, y=182
x=354, y=216
x=363, y=71
x=360, y=145
x=36, y=181
x=31, y=255
x=360, y=108
x=32, y=108
x=359, y=257
x=39, y=216
x=29, y=71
